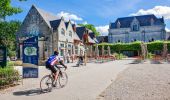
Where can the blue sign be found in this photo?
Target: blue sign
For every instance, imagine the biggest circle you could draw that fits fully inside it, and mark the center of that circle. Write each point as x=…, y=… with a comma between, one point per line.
x=30, y=58
x=3, y=56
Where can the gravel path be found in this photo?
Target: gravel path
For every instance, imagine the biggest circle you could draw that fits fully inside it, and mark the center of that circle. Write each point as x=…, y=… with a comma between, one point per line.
x=141, y=82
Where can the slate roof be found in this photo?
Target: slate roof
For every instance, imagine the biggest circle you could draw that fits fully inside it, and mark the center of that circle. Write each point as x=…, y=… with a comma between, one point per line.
x=91, y=40
x=80, y=31
x=66, y=23
x=102, y=39
x=144, y=20
x=92, y=35
x=48, y=17
x=55, y=23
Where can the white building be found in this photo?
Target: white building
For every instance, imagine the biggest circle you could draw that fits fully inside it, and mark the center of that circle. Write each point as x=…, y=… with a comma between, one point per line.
x=137, y=28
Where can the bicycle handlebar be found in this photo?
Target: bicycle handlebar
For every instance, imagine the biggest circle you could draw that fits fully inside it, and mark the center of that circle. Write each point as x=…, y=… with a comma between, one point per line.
x=59, y=66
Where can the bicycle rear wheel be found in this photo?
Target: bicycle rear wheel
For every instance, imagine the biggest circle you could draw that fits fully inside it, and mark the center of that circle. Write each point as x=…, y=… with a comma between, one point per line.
x=46, y=83
x=62, y=79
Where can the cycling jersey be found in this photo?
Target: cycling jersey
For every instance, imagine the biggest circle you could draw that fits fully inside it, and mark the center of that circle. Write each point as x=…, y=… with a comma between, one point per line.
x=53, y=59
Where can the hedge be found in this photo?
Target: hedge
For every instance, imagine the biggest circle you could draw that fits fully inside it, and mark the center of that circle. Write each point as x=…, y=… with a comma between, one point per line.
x=134, y=46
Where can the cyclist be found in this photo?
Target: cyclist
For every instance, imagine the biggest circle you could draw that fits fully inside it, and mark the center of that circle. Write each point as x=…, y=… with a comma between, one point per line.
x=52, y=61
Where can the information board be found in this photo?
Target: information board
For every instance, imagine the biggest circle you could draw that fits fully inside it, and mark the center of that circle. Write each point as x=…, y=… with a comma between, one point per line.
x=30, y=58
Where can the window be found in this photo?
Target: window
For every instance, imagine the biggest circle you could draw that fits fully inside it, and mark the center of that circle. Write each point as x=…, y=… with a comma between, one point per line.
x=61, y=45
x=69, y=46
x=76, y=49
x=62, y=31
x=70, y=33
x=135, y=27
x=152, y=39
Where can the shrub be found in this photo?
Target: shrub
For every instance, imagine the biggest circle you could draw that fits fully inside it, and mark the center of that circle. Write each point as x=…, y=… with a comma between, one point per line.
x=8, y=76
x=156, y=45
x=150, y=55
x=119, y=56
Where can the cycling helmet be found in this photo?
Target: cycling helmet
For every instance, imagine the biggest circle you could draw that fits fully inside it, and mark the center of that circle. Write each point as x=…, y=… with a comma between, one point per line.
x=56, y=52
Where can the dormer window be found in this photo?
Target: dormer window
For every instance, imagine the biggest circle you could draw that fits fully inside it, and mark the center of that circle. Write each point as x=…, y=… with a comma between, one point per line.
x=118, y=24
x=152, y=21
x=70, y=33
x=135, y=27
x=62, y=31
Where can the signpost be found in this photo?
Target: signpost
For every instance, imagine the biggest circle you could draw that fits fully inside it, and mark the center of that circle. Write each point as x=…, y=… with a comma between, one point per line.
x=30, y=58
x=3, y=56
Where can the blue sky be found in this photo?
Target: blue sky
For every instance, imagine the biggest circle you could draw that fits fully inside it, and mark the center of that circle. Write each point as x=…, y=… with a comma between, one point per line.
x=97, y=12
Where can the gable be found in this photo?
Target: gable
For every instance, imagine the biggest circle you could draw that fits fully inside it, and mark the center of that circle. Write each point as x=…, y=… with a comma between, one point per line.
x=31, y=24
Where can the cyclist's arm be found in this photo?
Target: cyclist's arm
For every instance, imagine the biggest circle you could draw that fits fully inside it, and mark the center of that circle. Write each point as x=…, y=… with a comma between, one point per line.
x=61, y=63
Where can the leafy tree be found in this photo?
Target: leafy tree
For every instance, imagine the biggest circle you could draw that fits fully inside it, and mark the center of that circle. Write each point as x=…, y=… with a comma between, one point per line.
x=8, y=36
x=8, y=29
x=91, y=27
x=6, y=9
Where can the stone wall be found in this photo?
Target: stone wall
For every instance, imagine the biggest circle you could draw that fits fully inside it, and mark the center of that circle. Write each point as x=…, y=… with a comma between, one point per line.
x=34, y=25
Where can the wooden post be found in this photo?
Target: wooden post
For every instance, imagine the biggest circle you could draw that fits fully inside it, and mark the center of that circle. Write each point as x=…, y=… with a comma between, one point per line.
x=85, y=55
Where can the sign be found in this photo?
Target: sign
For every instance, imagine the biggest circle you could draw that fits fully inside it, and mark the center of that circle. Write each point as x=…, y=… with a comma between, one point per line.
x=3, y=56
x=30, y=58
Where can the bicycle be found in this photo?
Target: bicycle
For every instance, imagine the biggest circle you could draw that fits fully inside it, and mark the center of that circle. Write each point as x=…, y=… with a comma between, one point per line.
x=48, y=82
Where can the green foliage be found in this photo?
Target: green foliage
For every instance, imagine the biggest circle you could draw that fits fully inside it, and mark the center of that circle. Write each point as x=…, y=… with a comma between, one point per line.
x=118, y=47
x=156, y=45
x=150, y=55
x=134, y=46
x=6, y=9
x=91, y=27
x=10, y=63
x=8, y=75
x=8, y=36
x=119, y=56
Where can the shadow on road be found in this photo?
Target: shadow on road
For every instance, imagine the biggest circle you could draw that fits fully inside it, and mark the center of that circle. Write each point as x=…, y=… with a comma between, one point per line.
x=31, y=92
x=75, y=66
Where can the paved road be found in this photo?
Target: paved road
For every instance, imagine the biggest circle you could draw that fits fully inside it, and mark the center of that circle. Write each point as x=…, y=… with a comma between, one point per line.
x=85, y=83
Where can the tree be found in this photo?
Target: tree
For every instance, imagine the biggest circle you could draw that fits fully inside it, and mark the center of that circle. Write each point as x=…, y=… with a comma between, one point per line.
x=6, y=9
x=8, y=36
x=8, y=29
x=91, y=27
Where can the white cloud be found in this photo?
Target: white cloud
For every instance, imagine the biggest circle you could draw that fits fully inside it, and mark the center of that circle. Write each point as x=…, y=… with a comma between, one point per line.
x=157, y=10
x=167, y=29
x=85, y=22
x=103, y=29
x=68, y=16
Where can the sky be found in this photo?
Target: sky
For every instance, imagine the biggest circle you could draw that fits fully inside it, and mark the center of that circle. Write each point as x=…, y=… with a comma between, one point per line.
x=97, y=12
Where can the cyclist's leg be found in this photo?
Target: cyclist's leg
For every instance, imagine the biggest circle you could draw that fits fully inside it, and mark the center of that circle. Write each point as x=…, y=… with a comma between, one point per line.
x=54, y=71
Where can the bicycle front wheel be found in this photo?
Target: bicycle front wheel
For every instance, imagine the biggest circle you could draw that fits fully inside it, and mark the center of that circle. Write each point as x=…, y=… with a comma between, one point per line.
x=63, y=79
x=46, y=83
